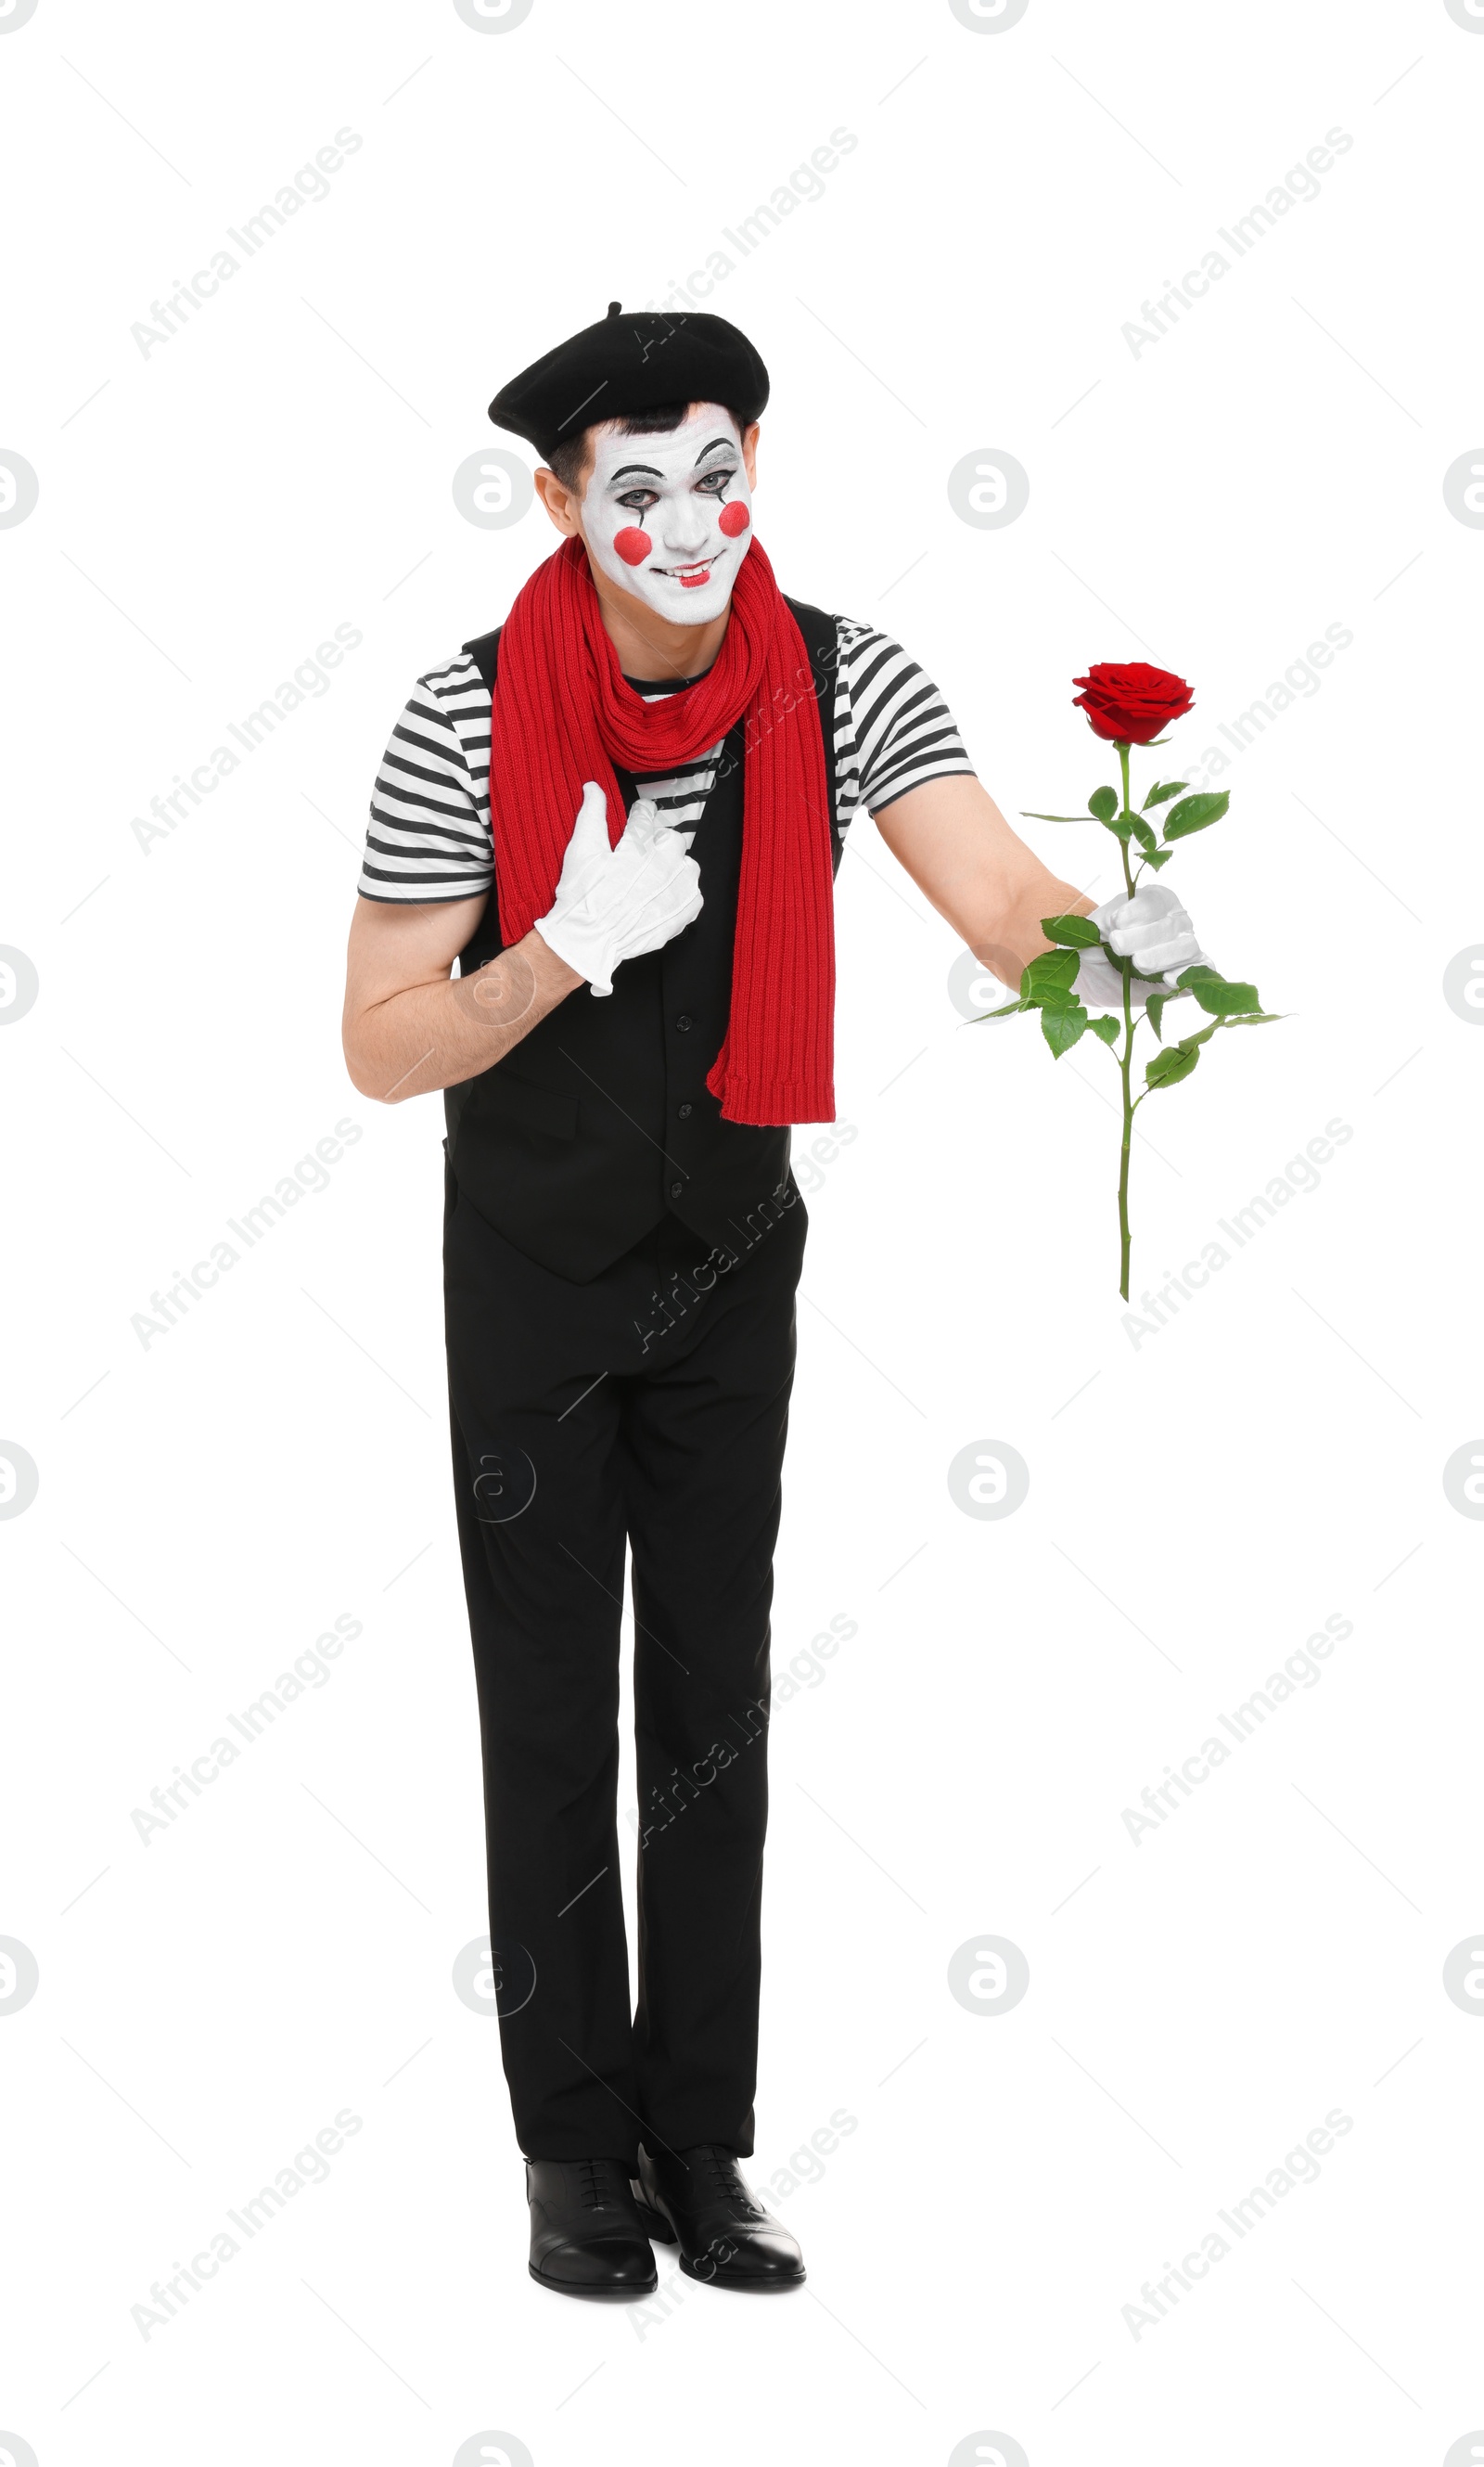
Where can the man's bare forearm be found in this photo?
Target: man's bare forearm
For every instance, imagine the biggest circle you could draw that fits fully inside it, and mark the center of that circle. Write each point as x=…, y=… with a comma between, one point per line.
x=978, y=874
x=1015, y=938
x=436, y=1034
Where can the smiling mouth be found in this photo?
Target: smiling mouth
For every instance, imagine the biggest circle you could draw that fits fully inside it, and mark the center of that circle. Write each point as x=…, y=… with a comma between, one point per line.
x=689, y=577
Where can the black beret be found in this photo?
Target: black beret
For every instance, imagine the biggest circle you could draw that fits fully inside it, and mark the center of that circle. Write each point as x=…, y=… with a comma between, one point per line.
x=626, y=363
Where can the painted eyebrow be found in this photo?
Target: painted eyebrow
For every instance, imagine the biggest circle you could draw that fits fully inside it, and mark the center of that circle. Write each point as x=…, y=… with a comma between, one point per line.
x=648, y=471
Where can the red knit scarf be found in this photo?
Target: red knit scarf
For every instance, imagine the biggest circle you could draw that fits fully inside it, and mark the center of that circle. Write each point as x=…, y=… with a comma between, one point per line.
x=563, y=714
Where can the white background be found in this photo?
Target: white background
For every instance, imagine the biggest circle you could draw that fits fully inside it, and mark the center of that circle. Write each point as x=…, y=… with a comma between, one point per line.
x=1200, y=1502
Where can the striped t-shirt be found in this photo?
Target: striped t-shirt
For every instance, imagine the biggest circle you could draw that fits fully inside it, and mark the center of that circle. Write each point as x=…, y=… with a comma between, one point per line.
x=429, y=836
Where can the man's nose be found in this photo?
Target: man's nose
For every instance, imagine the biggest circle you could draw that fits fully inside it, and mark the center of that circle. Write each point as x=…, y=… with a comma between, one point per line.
x=682, y=525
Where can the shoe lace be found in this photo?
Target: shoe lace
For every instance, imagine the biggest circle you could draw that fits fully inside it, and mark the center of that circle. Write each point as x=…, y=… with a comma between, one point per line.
x=726, y=2179
x=597, y=2185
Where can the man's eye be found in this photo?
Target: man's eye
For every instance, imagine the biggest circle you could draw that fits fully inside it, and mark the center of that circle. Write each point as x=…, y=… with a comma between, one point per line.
x=714, y=483
x=638, y=500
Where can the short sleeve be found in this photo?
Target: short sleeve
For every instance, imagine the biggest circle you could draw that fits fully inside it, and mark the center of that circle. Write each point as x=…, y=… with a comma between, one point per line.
x=893, y=730
x=428, y=838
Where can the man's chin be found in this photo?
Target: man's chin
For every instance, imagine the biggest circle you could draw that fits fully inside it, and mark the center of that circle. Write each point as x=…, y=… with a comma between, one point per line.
x=681, y=603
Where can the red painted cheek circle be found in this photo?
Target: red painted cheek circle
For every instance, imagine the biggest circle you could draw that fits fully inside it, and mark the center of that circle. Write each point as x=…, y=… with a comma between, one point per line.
x=734, y=520
x=632, y=545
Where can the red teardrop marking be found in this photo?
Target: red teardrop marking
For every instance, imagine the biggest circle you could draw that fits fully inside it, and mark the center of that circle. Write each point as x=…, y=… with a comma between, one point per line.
x=734, y=519
x=632, y=544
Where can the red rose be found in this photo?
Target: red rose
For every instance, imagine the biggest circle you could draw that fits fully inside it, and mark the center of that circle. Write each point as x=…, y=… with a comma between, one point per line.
x=1132, y=704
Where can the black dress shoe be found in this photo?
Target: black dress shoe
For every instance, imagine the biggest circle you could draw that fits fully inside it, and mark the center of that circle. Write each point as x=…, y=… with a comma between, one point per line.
x=586, y=2234
x=697, y=2198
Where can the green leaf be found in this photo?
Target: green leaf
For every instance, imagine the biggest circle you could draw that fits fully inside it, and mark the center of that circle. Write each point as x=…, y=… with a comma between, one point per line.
x=1050, y=978
x=1026, y=816
x=1142, y=832
x=1104, y=804
x=1171, y=1064
x=1157, y=857
x=1195, y=814
x=1077, y=933
x=1166, y=789
x=1106, y=1028
x=1222, y=1001
x=1008, y=1011
x=1252, y=1019
x=1153, y=1010
x=1122, y=826
x=1061, y=1027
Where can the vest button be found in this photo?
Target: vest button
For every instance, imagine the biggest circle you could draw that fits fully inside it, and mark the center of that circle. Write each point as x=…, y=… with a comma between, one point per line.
x=676, y=1187
x=685, y=1112
x=684, y=1020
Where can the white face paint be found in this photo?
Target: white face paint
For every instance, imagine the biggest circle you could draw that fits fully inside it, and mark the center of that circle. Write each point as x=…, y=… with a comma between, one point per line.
x=669, y=517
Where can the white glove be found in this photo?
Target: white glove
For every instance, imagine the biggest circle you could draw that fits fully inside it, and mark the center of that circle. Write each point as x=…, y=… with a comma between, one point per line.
x=611, y=903
x=1153, y=930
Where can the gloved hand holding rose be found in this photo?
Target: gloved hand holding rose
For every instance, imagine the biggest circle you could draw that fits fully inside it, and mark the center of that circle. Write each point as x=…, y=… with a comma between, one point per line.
x=1154, y=931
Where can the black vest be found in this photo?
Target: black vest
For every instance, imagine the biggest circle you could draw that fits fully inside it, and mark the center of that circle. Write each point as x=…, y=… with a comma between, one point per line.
x=599, y=1122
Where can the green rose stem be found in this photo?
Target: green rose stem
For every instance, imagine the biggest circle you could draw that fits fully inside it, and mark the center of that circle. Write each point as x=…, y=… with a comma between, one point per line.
x=1126, y=1057
x=1048, y=983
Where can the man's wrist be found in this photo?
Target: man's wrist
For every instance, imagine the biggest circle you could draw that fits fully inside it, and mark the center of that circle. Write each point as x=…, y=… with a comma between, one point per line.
x=1007, y=960
x=516, y=987
x=552, y=973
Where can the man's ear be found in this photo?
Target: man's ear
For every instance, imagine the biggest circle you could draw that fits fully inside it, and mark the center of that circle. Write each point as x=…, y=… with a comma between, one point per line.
x=750, y=452
x=560, y=502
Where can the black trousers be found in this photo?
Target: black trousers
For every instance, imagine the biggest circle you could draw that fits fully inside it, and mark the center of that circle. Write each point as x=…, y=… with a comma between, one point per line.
x=585, y=1417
